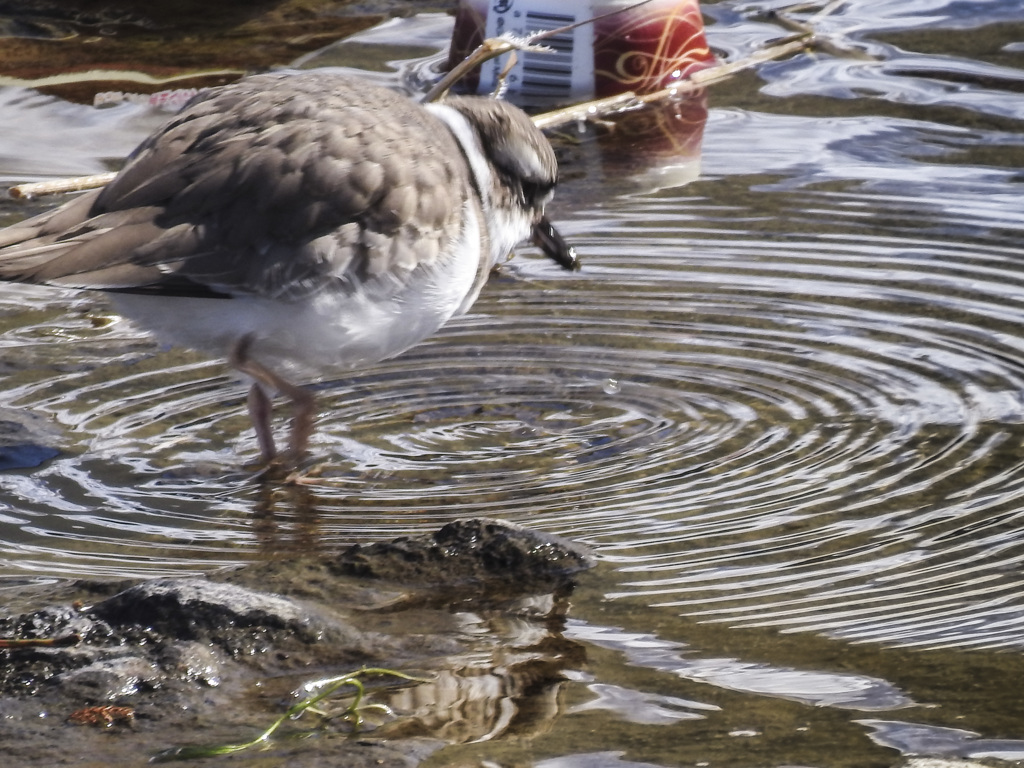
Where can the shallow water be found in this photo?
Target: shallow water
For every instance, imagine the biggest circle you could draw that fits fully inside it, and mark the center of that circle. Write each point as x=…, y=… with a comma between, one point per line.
x=784, y=401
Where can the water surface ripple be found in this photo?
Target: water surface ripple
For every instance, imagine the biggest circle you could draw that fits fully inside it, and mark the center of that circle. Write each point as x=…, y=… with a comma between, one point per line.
x=787, y=394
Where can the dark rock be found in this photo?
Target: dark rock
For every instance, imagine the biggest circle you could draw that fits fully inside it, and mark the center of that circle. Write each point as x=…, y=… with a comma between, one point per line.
x=185, y=608
x=206, y=660
x=479, y=552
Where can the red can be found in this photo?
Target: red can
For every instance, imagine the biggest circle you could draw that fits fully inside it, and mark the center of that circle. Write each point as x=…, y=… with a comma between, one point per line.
x=639, y=47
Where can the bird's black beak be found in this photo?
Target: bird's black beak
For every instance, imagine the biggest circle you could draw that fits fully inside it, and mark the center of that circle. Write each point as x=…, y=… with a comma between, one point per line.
x=548, y=239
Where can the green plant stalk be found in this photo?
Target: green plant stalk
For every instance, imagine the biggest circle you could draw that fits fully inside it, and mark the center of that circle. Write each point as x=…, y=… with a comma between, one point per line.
x=328, y=686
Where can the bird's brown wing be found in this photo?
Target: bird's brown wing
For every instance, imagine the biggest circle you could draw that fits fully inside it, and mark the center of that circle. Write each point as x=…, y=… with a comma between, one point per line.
x=276, y=186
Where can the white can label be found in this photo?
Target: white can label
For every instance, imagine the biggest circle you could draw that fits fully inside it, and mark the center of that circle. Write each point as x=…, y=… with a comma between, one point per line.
x=565, y=73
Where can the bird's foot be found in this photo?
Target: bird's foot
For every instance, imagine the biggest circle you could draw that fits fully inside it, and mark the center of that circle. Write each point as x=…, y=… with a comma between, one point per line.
x=285, y=469
x=311, y=476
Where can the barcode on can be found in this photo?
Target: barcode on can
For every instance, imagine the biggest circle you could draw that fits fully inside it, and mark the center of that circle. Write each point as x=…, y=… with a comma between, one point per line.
x=541, y=77
x=548, y=75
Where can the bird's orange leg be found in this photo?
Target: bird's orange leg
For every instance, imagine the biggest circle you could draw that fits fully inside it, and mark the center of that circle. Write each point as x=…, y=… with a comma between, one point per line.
x=303, y=403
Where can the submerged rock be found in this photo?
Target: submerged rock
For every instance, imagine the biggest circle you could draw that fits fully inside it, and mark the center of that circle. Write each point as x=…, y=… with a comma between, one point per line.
x=176, y=661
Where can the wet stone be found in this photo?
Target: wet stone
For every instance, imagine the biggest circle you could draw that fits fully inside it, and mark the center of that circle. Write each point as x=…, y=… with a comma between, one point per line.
x=485, y=552
x=181, y=607
x=109, y=679
x=208, y=659
x=24, y=442
x=190, y=662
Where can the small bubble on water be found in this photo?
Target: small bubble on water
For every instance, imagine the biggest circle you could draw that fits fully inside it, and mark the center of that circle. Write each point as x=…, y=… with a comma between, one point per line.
x=611, y=386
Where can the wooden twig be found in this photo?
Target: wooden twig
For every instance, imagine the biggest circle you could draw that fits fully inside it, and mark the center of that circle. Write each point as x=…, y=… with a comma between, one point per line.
x=698, y=80
x=15, y=643
x=827, y=10
x=57, y=186
x=487, y=50
x=808, y=28
x=806, y=38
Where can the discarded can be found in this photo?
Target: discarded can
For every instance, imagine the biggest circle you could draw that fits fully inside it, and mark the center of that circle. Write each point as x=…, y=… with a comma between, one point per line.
x=639, y=47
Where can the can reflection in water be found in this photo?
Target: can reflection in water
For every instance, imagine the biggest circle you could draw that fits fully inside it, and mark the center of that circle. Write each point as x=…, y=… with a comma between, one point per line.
x=655, y=147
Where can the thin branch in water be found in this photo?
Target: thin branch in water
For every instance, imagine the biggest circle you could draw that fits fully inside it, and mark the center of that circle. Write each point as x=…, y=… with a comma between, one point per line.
x=57, y=186
x=593, y=110
x=15, y=643
x=806, y=39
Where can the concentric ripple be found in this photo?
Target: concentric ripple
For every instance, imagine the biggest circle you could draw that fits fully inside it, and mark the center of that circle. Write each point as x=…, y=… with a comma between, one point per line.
x=788, y=394
x=818, y=432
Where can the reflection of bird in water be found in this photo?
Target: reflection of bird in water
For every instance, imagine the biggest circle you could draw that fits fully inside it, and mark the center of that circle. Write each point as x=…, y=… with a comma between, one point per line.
x=301, y=225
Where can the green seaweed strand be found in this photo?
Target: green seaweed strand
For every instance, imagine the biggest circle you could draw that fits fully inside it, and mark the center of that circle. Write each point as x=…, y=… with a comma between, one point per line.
x=327, y=687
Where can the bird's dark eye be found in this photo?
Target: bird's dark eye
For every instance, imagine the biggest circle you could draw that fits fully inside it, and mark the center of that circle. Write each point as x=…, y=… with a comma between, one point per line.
x=535, y=191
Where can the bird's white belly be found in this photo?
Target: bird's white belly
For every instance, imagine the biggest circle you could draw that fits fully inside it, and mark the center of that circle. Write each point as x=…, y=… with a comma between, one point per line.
x=326, y=333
